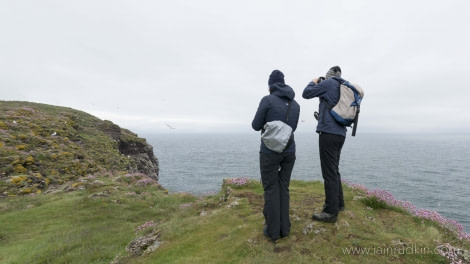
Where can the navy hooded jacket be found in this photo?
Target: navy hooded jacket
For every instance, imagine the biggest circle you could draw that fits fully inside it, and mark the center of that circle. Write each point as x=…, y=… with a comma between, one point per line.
x=328, y=93
x=274, y=107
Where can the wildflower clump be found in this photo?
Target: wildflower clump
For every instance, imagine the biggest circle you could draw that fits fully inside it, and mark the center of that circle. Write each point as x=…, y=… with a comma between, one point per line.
x=243, y=181
x=357, y=188
x=423, y=214
x=454, y=254
x=185, y=205
x=450, y=224
x=376, y=199
x=139, y=179
x=146, y=181
x=383, y=199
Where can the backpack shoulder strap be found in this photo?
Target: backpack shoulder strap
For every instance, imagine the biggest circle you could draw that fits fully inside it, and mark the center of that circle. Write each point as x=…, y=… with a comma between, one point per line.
x=291, y=139
x=288, y=110
x=340, y=80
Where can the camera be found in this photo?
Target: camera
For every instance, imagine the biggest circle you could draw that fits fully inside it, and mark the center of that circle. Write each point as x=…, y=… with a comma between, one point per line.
x=320, y=79
x=316, y=115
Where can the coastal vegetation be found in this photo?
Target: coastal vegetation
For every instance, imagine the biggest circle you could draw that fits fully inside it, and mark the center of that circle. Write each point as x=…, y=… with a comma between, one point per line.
x=129, y=218
x=69, y=195
x=43, y=145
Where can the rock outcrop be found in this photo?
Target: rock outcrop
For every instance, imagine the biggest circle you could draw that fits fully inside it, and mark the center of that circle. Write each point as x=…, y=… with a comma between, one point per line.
x=134, y=147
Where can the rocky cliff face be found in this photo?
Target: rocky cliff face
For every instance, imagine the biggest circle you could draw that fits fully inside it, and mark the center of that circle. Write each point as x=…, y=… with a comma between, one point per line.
x=42, y=145
x=135, y=148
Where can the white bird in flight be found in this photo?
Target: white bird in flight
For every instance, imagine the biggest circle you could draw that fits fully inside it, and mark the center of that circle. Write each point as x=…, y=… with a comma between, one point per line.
x=170, y=127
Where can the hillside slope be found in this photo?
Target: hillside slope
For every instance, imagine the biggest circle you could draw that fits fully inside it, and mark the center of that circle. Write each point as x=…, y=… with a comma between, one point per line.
x=42, y=145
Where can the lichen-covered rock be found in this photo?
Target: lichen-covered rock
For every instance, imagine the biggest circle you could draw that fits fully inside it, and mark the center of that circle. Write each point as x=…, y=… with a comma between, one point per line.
x=144, y=244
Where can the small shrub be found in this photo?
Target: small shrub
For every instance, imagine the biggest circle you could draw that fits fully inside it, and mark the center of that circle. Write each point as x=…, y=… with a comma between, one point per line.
x=3, y=125
x=77, y=184
x=18, y=180
x=66, y=154
x=375, y=203
x=27, y=190
x=19, y=168
x=20, y=147
x=29, y=160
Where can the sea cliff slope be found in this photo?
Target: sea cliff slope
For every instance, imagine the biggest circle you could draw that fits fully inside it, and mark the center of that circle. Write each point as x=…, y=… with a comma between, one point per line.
x=43, y=145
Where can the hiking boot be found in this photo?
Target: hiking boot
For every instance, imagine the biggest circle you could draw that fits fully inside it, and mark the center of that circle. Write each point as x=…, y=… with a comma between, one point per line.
x=265, y=233
x=325, y=217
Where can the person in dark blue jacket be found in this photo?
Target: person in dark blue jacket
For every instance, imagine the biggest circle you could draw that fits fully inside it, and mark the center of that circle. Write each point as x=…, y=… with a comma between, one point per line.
x=331, y=139
x=276, y=168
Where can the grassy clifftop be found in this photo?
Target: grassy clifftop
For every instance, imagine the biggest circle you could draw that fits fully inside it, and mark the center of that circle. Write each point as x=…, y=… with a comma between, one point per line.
x=130, y=219
x=43, y=145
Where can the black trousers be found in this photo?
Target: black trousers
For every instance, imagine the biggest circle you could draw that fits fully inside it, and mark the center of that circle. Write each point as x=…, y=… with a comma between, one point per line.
x=330, y=152
x=276, y=172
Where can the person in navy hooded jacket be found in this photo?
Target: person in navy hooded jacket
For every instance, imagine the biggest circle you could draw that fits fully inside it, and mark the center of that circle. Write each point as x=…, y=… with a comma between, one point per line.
x=276, y=168
x=331, y=139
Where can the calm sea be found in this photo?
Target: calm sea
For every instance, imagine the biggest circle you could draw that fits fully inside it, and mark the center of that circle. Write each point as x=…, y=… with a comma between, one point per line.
x=430, y=171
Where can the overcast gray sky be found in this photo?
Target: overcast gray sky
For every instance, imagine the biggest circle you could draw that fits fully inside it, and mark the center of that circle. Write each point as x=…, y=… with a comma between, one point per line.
x=203, y=65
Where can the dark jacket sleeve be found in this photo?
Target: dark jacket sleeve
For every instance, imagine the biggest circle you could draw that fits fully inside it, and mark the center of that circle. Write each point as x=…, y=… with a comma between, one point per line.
x=326, y=90
x=312, y=90
x=259, y=119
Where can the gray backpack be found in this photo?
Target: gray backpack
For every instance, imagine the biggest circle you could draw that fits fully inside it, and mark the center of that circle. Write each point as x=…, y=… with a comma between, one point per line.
x=346, y=111
x=277, y=135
